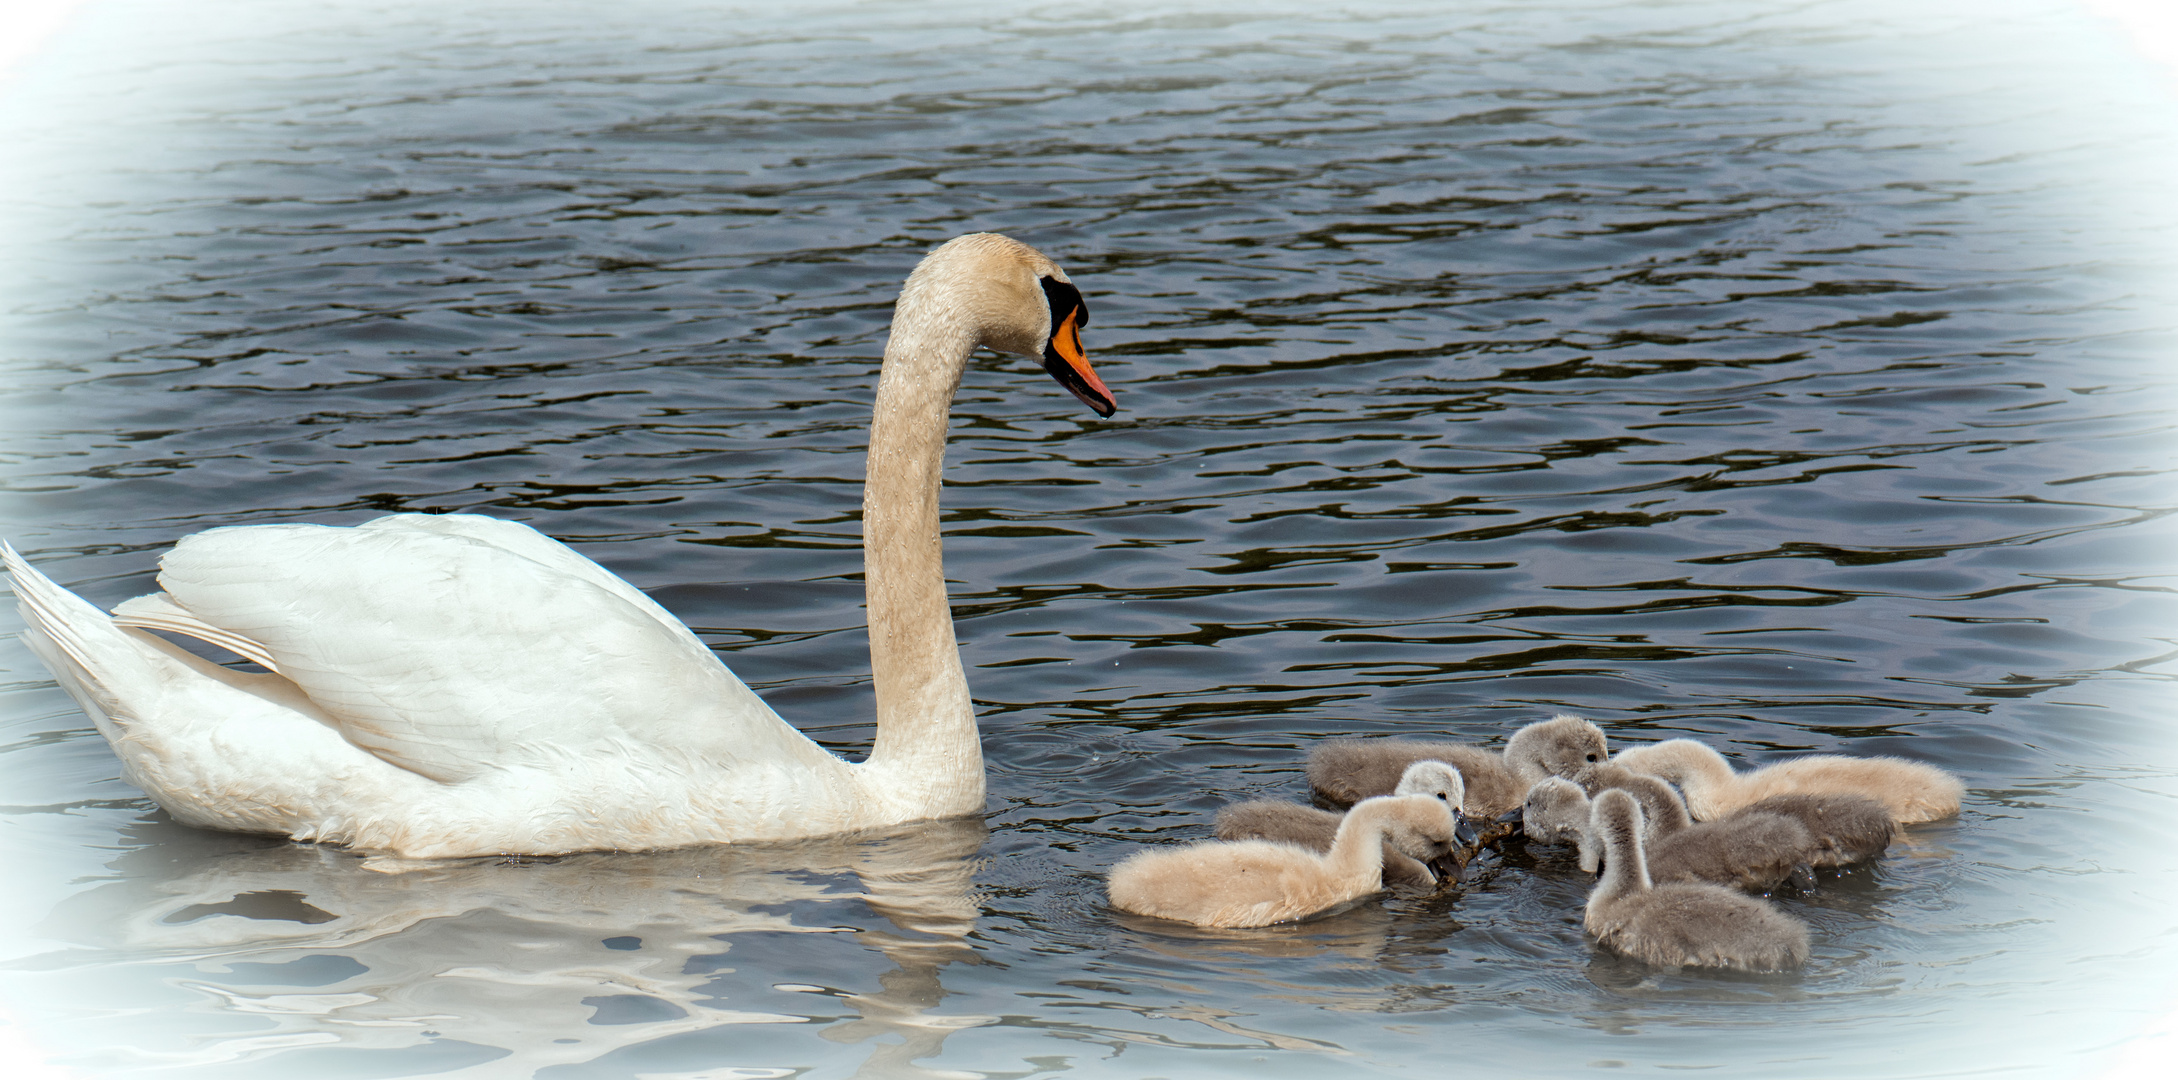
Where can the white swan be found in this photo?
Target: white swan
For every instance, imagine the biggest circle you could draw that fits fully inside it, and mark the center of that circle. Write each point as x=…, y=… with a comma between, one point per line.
x=444, y=686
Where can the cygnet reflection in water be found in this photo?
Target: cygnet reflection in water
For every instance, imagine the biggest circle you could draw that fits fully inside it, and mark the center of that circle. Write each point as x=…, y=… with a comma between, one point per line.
x=547, y=959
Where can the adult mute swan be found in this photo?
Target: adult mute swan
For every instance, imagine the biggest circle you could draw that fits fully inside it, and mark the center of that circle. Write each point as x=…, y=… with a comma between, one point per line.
x=445, y=686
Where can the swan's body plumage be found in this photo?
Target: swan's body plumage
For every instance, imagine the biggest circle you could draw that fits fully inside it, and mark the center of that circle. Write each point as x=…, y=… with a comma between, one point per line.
x=1913, y=792
x=1246, y=883
x=458, y=685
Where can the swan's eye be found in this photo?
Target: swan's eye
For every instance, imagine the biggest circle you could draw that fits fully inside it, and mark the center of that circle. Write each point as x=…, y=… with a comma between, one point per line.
x=1591, y=757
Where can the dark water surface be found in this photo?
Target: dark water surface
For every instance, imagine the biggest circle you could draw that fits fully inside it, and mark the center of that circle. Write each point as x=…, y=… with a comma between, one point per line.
x=1795, y=376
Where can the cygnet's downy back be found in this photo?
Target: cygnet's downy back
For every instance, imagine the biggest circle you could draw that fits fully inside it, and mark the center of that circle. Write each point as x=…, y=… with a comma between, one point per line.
x=1912, y=791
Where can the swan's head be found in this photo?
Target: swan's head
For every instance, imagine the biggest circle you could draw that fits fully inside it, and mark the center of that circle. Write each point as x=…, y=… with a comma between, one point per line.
x=1443, y=782
x=1559, y=746
x=1012, y=299
x=1556, y=811
x=1419, y=826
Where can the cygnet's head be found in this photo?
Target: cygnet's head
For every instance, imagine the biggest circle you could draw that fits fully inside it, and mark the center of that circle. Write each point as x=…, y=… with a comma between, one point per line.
x=1442, y=780
x=1558, y=746
x=1419, y=826
x=1556, y=811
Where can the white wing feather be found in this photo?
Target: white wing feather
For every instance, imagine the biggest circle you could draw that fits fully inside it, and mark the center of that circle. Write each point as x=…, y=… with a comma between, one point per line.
x=448, y=645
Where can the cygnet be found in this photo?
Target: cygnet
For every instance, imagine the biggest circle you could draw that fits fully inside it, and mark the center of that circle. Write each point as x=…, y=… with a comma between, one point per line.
x=1679, y=924
x=1345, y=771
x=1911, y=791
x=1662, y=811
x=1308, y=827
x=1259, y=882
x=1846, y=828
x=1750, y=850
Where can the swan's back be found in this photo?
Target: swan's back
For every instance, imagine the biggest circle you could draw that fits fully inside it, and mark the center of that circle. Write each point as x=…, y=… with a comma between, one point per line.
x=1745, y=850
x=1258, y=882
x=1313, y=829
x=1911, y=791
x=1846, y=828
x=1225, y=883
x=442, y=644
x=1346, y=771
x=1686, y=924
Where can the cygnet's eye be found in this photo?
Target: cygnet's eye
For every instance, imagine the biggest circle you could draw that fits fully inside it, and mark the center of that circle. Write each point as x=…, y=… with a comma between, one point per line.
x=1591, y=757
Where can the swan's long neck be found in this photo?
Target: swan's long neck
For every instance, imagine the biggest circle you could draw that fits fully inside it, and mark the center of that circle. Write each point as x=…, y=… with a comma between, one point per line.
x=1357, y=849
x=1625, y=862
x=927, y=750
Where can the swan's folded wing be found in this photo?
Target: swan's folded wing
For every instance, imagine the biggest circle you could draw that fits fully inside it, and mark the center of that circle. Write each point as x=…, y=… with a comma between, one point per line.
x=445, y=653
x=520, y=539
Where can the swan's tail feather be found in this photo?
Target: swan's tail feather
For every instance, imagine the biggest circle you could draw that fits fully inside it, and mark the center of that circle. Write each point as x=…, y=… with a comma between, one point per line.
x=158, y=611
x=77, y=641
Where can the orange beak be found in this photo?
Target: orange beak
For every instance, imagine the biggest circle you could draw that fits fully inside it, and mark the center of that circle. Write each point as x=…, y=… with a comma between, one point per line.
x=1064, y=359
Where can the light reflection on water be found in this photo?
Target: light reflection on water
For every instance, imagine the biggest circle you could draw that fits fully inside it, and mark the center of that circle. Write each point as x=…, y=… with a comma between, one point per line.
x=1796, y=378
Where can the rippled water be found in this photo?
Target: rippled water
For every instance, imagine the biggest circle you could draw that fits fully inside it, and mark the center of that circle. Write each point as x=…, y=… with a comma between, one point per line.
x=1795, y=378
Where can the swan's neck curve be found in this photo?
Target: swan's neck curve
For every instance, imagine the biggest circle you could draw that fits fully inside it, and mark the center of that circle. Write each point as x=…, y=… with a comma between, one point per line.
x=1357, y=848
x=1625, y=859
x=927, y=757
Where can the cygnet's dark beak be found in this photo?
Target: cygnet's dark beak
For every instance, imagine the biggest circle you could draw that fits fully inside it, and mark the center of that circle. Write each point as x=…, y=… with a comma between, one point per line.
x=1463, y=830
x=1515, y=816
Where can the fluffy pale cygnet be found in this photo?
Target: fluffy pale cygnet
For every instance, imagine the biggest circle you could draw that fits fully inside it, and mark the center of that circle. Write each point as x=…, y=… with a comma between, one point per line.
x=1690, y=924
x=1911, y=791
x=1345, y=771
x=1258, y=882
x=1308, y=827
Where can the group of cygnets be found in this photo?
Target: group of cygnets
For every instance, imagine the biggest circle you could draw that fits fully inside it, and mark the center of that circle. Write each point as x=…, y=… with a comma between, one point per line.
x=1671, y=829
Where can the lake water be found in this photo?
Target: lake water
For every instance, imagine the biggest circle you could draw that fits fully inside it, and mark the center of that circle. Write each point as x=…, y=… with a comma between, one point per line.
x=1794, y=376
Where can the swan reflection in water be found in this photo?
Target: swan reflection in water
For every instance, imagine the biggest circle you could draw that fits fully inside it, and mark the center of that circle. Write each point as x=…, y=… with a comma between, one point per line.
x=553, y=962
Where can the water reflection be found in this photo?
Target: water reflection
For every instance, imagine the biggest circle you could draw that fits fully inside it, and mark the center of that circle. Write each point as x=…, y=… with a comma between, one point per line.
x=550, y=961
x=1793, y=377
